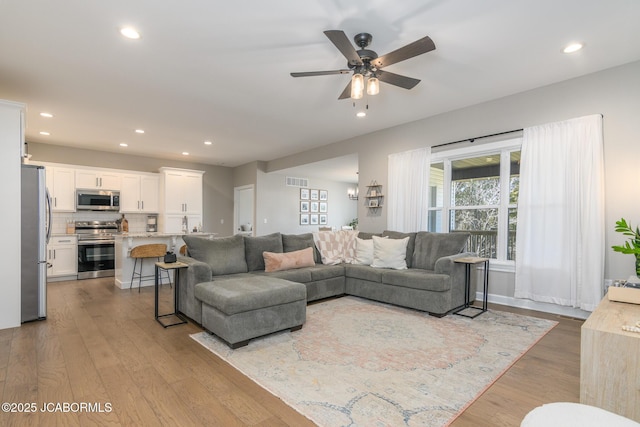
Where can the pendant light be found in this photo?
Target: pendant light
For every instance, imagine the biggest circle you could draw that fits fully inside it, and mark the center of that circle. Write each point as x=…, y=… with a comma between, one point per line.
x=357, y=86
x=373, y=86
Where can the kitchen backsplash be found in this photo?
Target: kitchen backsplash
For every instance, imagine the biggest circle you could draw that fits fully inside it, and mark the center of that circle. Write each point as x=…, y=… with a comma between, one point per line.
x=137, y=222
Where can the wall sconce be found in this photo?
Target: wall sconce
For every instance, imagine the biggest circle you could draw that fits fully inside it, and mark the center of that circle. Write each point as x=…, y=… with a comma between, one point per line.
x=353, y=193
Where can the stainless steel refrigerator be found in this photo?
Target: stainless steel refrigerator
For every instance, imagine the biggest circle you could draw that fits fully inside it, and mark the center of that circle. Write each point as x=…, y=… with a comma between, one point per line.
x=36, y=230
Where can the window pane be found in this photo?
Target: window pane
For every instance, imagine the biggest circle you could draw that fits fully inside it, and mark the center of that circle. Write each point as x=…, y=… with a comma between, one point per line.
x=434, y=221
x=483, y=226
x=514, y=178
x=436, y=185
x=511, y=236
x=476, y=181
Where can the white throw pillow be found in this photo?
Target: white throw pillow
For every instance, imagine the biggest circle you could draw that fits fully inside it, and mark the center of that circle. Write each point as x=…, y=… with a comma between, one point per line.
x=364, y=251
x=390, y=253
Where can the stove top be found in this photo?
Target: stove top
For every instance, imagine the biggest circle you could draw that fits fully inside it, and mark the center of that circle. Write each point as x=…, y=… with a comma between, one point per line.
x=96, y=230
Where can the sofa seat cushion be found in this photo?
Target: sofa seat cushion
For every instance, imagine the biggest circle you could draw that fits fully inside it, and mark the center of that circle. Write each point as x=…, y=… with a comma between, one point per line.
x=363, y=272
x=225, y=255
x=255, y=246
x=417, y=279
x=324, y=272
x=300, y=275
x=249, y=293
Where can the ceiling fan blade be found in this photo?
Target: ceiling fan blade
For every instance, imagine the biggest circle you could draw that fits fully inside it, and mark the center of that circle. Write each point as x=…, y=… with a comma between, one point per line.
x=341, y=41
x=346, y=93
x=397, y=79
x=416, y=48
x=319, y=73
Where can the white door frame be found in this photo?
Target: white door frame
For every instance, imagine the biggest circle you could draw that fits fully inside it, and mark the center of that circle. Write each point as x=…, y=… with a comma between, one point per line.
x=236, y=211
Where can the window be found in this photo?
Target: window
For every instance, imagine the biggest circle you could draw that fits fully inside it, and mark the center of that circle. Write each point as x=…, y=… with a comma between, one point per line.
x=475, y=190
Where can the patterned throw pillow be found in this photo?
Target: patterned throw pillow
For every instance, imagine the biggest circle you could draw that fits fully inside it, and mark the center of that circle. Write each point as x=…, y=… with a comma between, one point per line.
x=336, y=246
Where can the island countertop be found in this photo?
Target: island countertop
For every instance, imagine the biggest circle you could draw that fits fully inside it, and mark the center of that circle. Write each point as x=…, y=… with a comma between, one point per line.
x=154, y=235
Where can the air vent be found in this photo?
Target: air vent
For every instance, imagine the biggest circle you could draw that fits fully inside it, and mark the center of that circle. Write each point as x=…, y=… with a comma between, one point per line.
x=297, y=182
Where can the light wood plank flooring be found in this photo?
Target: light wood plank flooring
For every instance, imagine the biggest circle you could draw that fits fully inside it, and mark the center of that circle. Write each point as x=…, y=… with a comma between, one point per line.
x=102, y=345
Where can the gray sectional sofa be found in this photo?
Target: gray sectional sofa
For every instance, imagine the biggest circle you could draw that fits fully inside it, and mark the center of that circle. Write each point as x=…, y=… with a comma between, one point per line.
x=227, y=291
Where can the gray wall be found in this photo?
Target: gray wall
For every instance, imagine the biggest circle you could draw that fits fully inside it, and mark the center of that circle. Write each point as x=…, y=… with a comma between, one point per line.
x=217, y=180
x=615, y=93
x=280, y=204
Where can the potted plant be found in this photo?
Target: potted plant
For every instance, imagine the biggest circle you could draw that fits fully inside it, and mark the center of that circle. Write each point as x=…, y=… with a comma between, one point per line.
x=354, y=223
x=632, y=246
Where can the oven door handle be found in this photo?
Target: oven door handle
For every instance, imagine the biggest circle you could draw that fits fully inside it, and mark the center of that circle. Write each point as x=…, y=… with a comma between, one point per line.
x=96, y=242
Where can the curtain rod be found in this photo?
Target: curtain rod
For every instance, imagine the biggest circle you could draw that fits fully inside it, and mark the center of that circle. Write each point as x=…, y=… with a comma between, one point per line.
x=477, y=137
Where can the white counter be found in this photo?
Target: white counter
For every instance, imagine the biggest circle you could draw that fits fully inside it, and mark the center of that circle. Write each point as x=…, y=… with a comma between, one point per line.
x=127, y=241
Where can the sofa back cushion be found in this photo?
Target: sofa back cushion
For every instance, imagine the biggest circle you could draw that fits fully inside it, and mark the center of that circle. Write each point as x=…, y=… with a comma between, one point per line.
x=430, y=247
x=255, y=246
x=410, y=245
x=367, y=236
x=295, y=242
x=224, y=255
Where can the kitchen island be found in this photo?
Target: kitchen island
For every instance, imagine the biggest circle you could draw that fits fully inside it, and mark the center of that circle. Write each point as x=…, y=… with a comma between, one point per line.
x=124, y=242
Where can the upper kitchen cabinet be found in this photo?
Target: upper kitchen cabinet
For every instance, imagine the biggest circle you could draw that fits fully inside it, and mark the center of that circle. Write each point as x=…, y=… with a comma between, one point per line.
x=98, y=180
x=181, y=194
x=61, y=183
x=139, y=193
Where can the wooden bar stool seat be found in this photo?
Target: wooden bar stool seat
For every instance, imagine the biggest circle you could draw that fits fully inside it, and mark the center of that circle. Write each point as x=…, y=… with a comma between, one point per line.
x=142, y=252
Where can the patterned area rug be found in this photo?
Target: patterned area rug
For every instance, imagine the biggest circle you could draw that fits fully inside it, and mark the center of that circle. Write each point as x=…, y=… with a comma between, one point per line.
x=361, y=363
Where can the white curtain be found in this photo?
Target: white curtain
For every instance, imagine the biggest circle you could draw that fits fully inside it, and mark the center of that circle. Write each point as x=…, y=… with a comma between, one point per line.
x=407, y=192
x=560, y=234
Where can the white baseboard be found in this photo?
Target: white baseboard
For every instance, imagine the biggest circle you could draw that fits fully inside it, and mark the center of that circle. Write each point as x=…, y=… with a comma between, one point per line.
x=534, y=305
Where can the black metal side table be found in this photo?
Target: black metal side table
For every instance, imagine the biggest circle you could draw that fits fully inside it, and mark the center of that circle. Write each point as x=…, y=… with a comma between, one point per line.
x=468, y=262
x=176, y=266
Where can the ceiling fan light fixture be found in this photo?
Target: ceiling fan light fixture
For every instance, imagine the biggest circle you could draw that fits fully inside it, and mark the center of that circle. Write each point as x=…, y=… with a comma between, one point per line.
x=373, y=86
x=357, y=86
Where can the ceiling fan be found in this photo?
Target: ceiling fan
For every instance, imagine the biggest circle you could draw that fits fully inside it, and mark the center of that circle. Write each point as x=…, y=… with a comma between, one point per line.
x=365, y=63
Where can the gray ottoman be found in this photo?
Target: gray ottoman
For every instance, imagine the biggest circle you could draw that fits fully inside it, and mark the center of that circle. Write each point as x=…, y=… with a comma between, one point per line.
x=240, y=309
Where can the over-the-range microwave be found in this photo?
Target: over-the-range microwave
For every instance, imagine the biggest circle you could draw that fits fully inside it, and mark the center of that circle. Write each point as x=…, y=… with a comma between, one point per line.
x=97, y=200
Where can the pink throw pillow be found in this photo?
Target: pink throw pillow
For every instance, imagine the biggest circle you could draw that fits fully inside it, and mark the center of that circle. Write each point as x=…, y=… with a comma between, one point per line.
x=289, y=260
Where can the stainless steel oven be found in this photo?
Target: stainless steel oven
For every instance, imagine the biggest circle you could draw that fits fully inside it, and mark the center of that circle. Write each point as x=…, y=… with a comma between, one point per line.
x=96, y=249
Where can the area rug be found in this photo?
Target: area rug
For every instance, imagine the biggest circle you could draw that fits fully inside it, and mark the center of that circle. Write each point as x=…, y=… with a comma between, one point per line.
x=361, y=363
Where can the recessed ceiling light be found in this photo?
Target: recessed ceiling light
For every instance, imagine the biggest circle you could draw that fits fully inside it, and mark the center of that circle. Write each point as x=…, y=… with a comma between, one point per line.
x=45, y=133
x=130, y=33
x=124, y=144
x=361, y=114
x=573, y=47
x=139, y=130
x=48, y=115
x=208, y=143
x=184, y=153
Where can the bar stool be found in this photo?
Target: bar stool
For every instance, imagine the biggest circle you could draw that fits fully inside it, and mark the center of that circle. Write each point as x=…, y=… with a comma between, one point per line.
x=154, y=250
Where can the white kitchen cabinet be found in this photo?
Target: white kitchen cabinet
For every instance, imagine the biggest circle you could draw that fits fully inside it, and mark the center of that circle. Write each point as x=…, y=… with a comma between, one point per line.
x=180, y=196
x=98, y=180
x=61, y=183
x=62, y=256
x=139, y=193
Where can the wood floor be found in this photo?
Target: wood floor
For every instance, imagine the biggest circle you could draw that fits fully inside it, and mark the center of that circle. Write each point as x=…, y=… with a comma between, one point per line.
x=102, y=346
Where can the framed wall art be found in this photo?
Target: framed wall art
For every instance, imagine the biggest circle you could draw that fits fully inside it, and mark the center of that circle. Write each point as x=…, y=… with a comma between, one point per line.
x=323, y=219
x=314, y=194
x=304, y=194
x=304, y=206
x=314, y=219
x=323, y=207
x=324, y=195
x=304, y=219
x=314, y=207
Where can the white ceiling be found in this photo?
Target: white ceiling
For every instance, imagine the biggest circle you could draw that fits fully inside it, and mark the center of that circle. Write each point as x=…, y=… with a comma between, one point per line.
x=219, y=71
